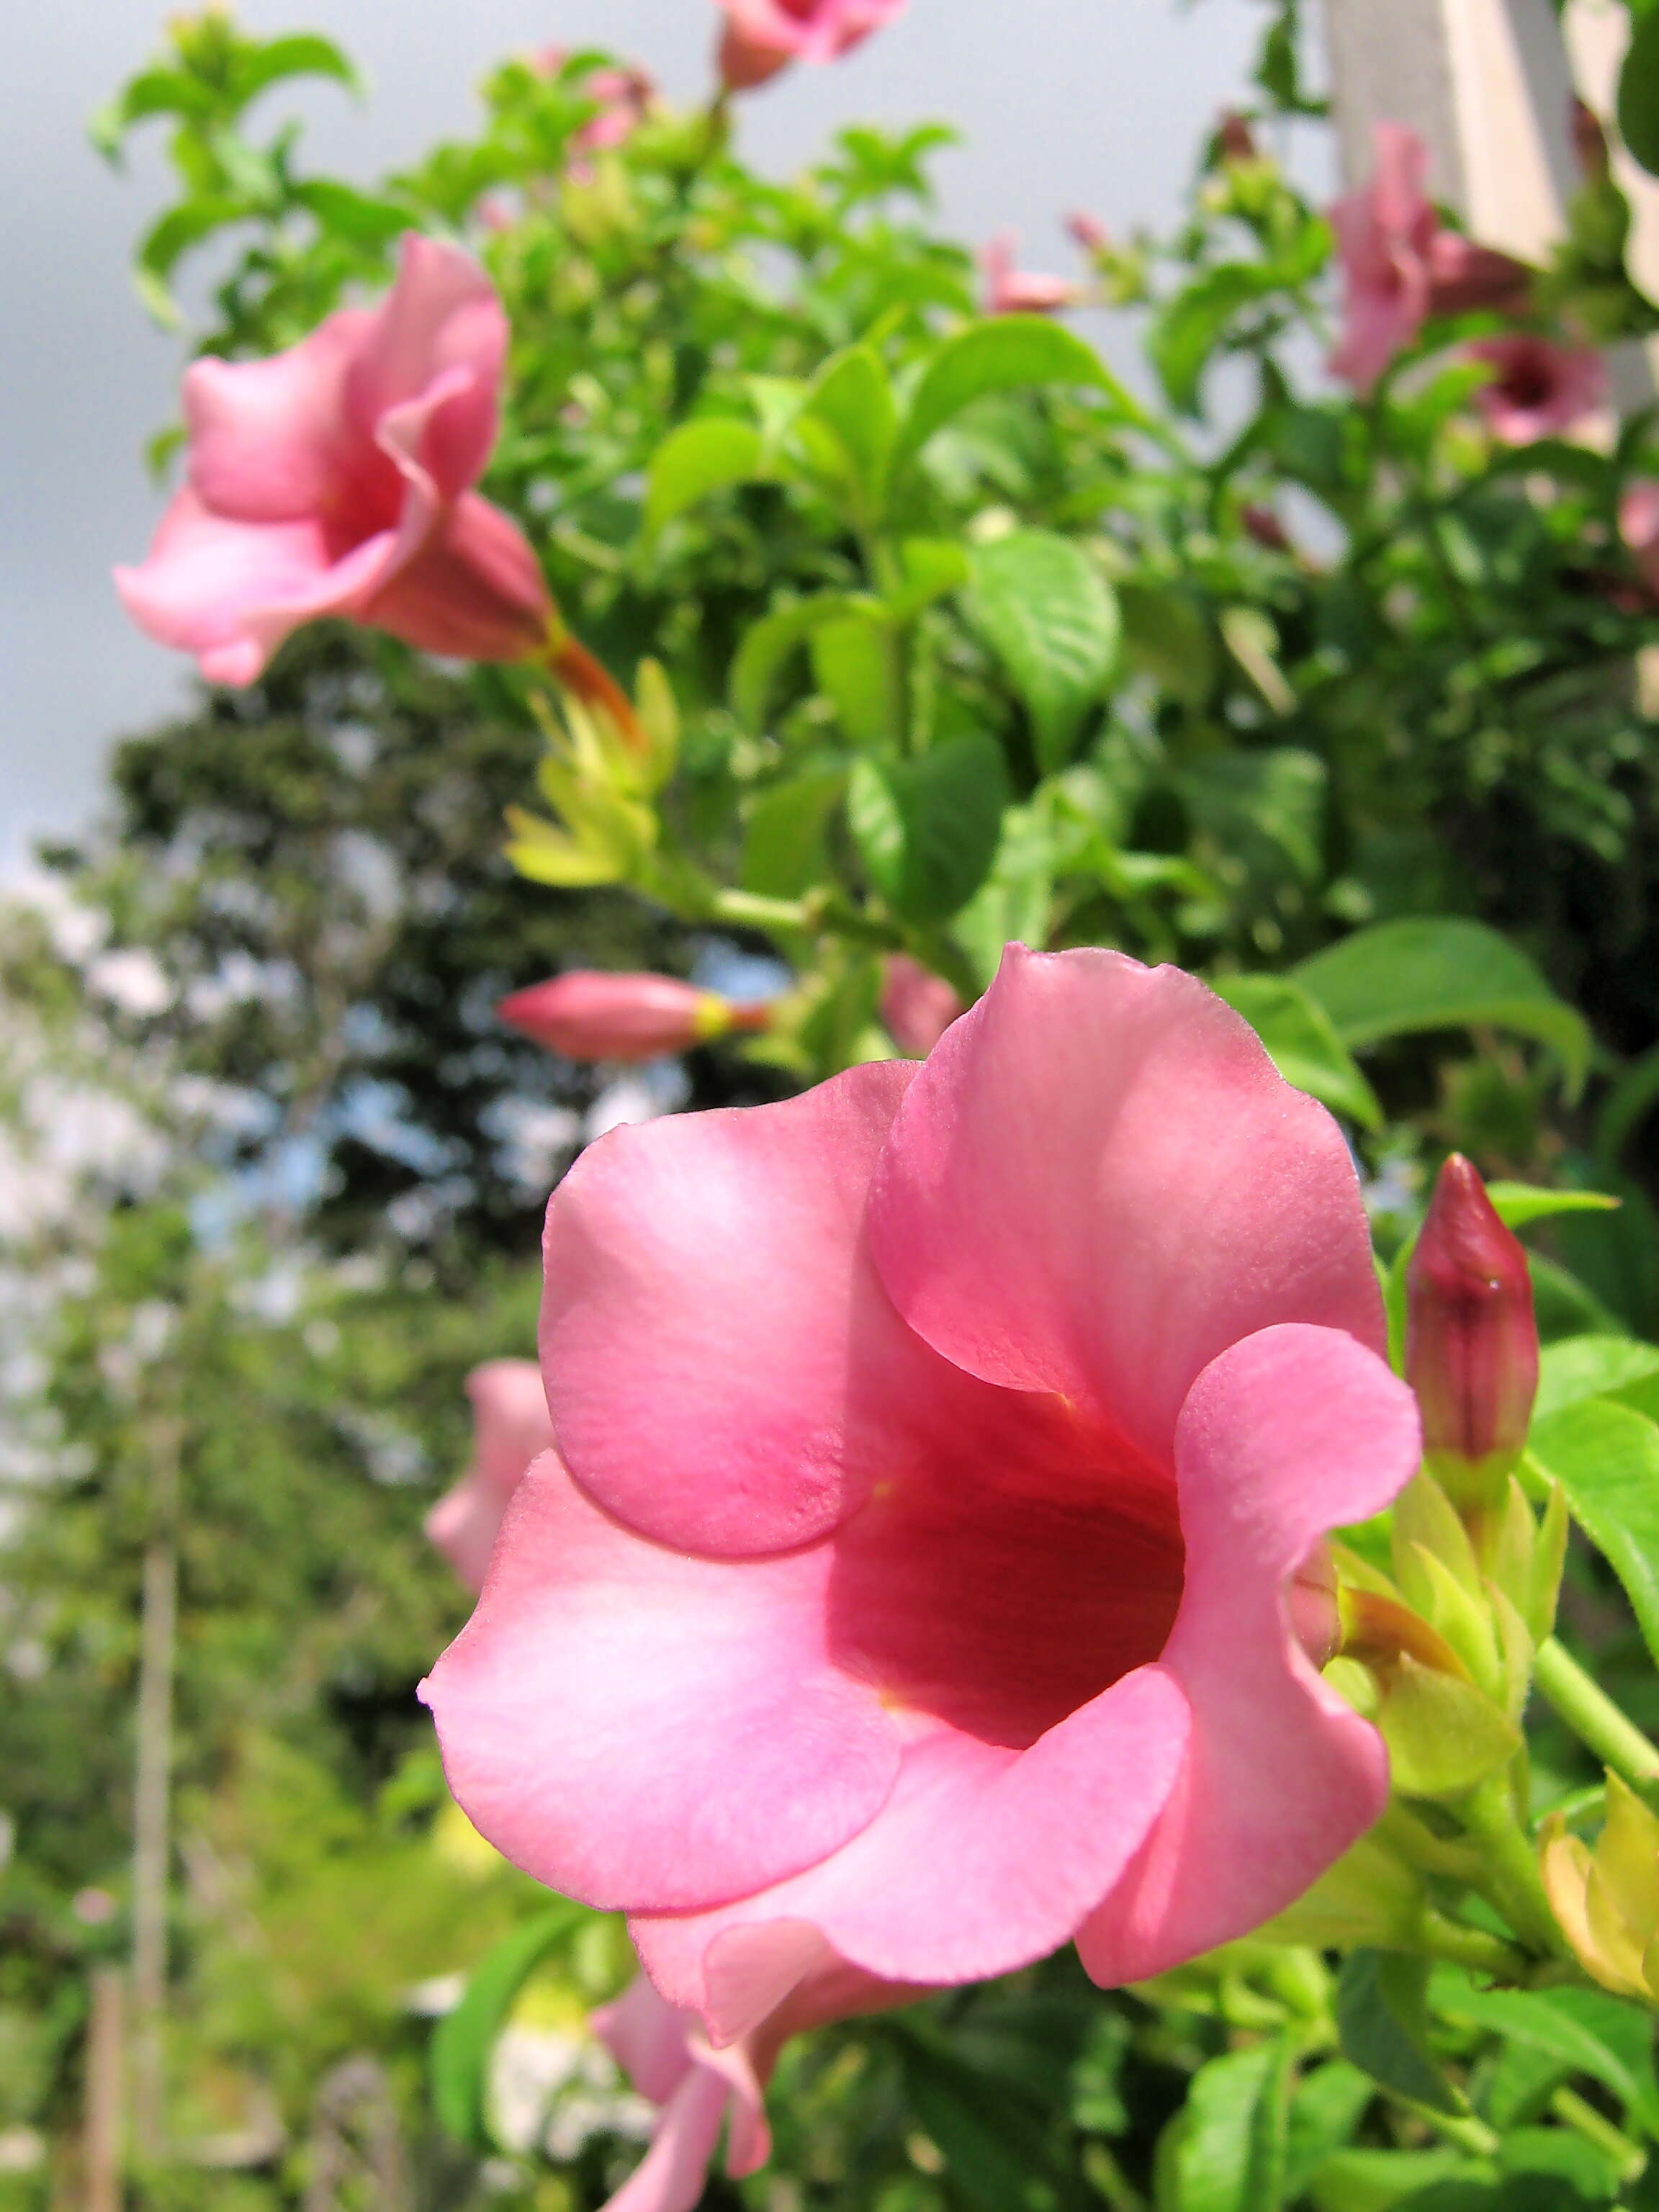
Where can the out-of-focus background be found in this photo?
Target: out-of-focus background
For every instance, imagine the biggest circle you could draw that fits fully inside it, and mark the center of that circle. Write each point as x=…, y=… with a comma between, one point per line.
x=1058, y=101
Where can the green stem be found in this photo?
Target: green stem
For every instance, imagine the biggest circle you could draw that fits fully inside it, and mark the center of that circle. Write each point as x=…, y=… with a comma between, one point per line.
x=1473, y=1948
x=1509, y=1866
x=1576, y=2112
x=749, y=910
x=1469, y=2134
x=1594, y=1718
x=1417, y=1842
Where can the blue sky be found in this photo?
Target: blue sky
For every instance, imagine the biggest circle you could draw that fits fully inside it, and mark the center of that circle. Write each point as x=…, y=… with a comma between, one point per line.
x=1062, y=103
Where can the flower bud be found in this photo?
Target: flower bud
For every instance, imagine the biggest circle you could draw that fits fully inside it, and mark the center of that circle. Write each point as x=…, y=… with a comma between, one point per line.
x=916, y=1005
x=1471, y=1339
x=1607, y=1900
x=587, y=1015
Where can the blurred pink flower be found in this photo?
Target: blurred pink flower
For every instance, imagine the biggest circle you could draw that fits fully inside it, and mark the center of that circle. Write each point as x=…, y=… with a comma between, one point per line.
x=1401, y=266
x=937, y=1453
x=764, y=36
x=1088, y=230
x=588, y=1014
x=1538, y=388
x=1638, y=526
x=916, y=1005
x=1013, y=291
x=336, y=479
x=665, y=2053
x=510, y=1427
x=623, y=96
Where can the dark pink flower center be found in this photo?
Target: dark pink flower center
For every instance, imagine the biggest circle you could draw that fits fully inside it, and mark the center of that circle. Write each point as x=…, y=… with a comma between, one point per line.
x=1001, y=1599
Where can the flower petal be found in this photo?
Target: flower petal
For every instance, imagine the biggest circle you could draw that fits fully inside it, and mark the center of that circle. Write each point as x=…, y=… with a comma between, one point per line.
x=1099, y=1182
x=637, y=1728
x=1295, y=1432
x=981, y=1860
x=719, y=1356
x=441, y=316
x=268, y=440
x=673, y=2174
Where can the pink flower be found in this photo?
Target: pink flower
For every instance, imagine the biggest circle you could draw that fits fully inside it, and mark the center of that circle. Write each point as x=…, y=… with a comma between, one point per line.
x=1013, y=291
x=1471, y=1336
x=1638, y=526
x=510, y=1427
x=1401, y=266
x=335, y=479
x=1538, y=388
x=764, y=36
x=936, y=1452
x=667, y=2057
x=588, y=1014
x=1089, y=231
x=623, y=97
x=917, y=1006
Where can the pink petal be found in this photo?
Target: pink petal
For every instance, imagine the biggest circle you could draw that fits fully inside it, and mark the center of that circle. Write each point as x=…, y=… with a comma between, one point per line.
x=672, y=2175
x=268, y=440
x=1097, y=1182
x=720, y=1357
x=1291, y=1433
x=511, y=1428
x=634, y=1727
x=471, y=586
x=1399, y=182
x=646, y=2035
x=441, y=320
x=231, y=592
x=982, y=1860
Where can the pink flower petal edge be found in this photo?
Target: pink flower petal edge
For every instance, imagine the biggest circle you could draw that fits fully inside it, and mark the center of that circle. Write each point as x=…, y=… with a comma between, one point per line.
x=511, y=1428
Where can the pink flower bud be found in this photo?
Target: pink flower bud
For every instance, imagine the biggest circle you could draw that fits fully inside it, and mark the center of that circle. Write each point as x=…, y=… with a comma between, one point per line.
x=1235, y=141
x=917, y=1006
x=1261, y=524
x=587, y=1015
x=1010, y=290
x=1471, y=1339
x=1089, y=231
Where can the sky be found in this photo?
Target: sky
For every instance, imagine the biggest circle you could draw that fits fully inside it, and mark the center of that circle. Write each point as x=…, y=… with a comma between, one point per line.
x=1063, y=104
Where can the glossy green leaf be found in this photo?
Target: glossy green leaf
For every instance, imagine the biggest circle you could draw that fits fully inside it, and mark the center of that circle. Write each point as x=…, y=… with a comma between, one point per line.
x=1441, y=972
x=1579, y=1367
x=854, y=396
x=784, y=851
x=1606, y=1458
x=1382, y=2023
x=1042, y=605
x=464, y=2038
x=708, y=455
x=1589, y=2031
x=1228, y=2150
x=927, y=830
x=766, y=650
x=1638, y=92
x=855, y=666
x=1008, y=353
x=1302, y=1043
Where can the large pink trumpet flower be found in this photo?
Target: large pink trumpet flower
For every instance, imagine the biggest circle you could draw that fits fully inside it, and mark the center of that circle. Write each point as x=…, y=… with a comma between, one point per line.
x=510, y=1428
x=764, y=36
x=337, y=479
x=1538, y=388
x=700, y=2088
x=1400, y=265
x=938, y=1452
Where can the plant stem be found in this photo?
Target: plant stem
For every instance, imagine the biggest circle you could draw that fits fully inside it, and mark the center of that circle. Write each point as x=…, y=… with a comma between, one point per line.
x=1509, y=1873
x=1574, y=2112
x=1473, y=1948
x=1594, y=1718
x=1468, y=2134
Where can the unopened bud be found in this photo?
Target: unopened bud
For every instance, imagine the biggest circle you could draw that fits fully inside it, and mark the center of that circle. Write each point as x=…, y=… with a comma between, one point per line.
x=1607, y=1900
x=1261, y=524
x=1471, y=1339
x=587, y=1015
x=1589, y=141
x=1089, y=231
x=1234, y=139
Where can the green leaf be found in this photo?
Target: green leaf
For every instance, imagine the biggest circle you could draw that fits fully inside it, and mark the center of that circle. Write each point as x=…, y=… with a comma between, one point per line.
x=1302, y=1043
x=1441, y=972
x=1579, y=1367
x=1639, y=94
x=1266, y=809
x=303, y=54
x=784, y=852
x=766, y=650
x=1228, y=2151
x=1170, y=638
x=1327, y=2106
x=1189, y=329
x=927, y=830
x=1015, y=902
x=1010, y=353
x=1044, y=607
x=1587, y=2030
x=855, y=666
x=152, y=92
x=852, y=393
x=708, y=455
x=1378, y=2180
x=357, y=217
x=464, y=2038
x=1606, y=1458
x=929, y=568
x=1518, y=1203
x=1382, y=2023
